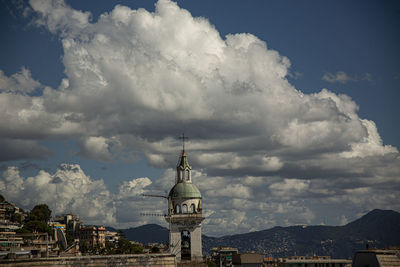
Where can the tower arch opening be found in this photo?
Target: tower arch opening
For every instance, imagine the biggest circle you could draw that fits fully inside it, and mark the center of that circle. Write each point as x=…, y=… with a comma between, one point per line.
x=186, y=253
x=184, y=208
x=192, y=208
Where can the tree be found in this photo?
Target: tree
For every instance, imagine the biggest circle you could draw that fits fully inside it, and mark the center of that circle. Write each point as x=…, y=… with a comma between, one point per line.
x=125, y=247
x=2, y=199
x=210, y=263
x=85, y=247
x=41, y=213
x=37, y=220
x=16, y=217
x=155, y=249
x=38, y=226
x=121, y=233
x=136, y=249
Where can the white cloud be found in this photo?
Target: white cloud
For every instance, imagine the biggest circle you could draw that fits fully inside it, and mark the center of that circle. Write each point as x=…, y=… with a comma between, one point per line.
x=21, y=82
x=235, y=204
x=135, y=79
x=95, y=147
x=69, y=189
x=137, y=76
x=57, y=16
x=343, y=77
x=134, y=187
x=370, y=145
x=340, y=76
x=367, y=77
x=289, y=187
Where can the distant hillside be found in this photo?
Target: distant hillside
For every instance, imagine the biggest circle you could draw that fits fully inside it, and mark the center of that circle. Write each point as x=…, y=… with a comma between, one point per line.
x=149, y=233
x=378, y=228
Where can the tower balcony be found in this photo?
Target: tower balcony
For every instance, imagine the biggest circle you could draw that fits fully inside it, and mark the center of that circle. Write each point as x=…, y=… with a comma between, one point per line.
x=185, y=218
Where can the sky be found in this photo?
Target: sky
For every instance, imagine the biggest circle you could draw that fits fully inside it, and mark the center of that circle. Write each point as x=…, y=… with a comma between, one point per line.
x=290, y=108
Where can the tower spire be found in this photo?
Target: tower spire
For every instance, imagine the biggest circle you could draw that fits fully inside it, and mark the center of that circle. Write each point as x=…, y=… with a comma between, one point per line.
x=183, y=169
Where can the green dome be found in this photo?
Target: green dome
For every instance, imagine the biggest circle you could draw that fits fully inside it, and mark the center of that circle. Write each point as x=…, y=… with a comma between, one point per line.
x=184, y=190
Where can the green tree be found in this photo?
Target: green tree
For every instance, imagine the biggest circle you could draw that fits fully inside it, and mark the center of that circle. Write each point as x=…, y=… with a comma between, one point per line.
x=136, y=249
x=37, y=220
x=125, y=247
x=121, y=233
x=38, y=226
x=85, y=247
x=210, y=263
x=22, y=231
x=155, y=249
x=41, y=213
x=110, y=247
x=16, y=217
x=2, y=199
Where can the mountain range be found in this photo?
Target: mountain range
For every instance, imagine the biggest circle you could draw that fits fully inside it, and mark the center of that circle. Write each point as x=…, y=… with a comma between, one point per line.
x=378, y=228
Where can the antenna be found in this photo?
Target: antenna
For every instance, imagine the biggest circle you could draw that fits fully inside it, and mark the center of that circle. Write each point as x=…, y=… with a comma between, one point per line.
x=183, y=137
x=153, y=214
x=150, y=195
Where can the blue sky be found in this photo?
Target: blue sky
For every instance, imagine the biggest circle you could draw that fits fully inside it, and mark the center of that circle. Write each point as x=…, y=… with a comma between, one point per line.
x=294, y=148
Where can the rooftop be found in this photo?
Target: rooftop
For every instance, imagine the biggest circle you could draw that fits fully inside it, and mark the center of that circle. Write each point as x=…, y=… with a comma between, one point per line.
x=184, y=190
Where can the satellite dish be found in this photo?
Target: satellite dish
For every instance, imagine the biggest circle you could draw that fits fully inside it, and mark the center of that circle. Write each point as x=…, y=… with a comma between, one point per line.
x=61, y=238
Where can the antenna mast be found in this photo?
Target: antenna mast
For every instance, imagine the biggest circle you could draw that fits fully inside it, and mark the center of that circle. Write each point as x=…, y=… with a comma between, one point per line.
x=183, y=137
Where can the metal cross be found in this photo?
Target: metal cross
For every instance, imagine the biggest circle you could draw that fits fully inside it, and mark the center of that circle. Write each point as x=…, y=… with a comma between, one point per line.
x=183, y=137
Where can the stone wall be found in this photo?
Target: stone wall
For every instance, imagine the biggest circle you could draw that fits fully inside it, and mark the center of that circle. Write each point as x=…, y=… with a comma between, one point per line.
x=142, y=260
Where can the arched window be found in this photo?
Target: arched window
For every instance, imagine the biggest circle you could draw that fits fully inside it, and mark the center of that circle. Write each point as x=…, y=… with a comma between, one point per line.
x=177, y=209
x=181, y=176
x=192, y=208
x=184, y=208
x=187, y=175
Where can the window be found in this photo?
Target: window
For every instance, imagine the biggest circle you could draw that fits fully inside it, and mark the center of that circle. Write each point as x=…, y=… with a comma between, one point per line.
x=187, y=175
x=192, y=208
x=177, y=209
x=184, y=208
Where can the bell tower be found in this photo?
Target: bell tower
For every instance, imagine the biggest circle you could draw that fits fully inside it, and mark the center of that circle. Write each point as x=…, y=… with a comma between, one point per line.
x=185, y=214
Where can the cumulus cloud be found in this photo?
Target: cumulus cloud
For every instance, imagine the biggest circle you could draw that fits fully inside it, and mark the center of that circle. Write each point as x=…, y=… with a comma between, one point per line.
x=69, y=189
x=20, y=82
x=340, y=76
x=95, y=147
x=57, y=16
x=343, y=77
x=236, y=204
x=135, y=79
x=289, y=187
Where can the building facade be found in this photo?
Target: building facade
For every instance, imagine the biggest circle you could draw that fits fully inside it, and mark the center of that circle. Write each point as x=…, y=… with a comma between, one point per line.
x=314, y=261
x=185, y=214
x=92, y=236
x=223, y=256
x=377, y=258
